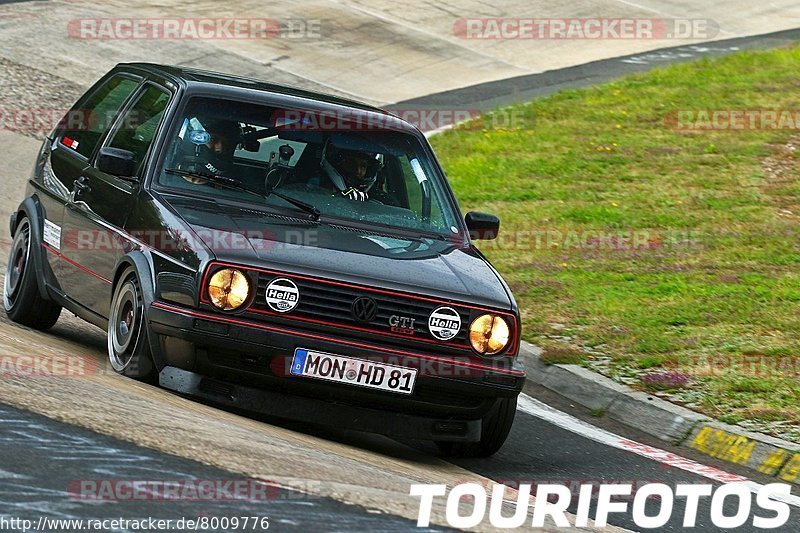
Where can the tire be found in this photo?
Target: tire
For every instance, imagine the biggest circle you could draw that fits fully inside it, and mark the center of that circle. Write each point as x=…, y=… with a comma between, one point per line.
x=494, y=430
x=128, y=346
x=21, y=299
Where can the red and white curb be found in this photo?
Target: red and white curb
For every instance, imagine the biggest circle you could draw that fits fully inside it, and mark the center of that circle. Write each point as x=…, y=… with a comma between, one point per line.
x=534, y=407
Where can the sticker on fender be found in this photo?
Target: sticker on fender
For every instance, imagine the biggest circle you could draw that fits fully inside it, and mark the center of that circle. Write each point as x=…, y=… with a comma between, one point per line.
x=353, y=371
x=52, y=234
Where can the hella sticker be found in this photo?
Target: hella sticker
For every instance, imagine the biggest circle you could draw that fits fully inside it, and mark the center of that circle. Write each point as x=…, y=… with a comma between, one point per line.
x=444, y=323
x=282, y=295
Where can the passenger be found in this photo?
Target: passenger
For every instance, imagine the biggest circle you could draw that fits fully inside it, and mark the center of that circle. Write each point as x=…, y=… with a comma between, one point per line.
x=215, y=155
x=218, y=151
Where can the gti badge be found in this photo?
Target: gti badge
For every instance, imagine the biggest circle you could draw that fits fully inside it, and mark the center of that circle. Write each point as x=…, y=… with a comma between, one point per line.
x=444, y=323
x=282, y=295
x=402, y=324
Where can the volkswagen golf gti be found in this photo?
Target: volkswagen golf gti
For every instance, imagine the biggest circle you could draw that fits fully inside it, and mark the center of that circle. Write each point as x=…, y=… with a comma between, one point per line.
x=271, y=249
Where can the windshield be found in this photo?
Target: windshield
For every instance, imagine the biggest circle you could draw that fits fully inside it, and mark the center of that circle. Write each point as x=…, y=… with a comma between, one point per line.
x=375, y=177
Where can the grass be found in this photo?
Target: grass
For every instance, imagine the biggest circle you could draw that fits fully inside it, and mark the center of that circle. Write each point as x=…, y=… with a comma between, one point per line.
x=654, y=245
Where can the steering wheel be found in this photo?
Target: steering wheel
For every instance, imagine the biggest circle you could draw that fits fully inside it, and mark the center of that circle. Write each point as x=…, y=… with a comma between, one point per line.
x=279, y=174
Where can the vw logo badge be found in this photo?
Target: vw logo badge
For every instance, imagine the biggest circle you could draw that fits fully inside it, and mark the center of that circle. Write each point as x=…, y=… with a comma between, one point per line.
x=364, y=309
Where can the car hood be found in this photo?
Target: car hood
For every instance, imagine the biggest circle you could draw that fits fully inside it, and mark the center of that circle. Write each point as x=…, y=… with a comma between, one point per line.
x=437, y=268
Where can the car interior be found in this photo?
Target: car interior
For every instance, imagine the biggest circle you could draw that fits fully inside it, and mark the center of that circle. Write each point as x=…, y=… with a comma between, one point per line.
x=268, y=157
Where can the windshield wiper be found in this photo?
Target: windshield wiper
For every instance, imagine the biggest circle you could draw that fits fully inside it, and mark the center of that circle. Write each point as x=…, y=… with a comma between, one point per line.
x=308, y=208
x=236, y=185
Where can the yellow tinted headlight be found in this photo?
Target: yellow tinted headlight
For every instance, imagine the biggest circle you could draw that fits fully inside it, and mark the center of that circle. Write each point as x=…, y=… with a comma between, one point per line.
x=228, y=289
x=489, y=334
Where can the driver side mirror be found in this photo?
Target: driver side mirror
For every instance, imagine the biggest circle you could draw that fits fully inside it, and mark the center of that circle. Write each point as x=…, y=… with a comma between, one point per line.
x=482, y=226
x=117, y=162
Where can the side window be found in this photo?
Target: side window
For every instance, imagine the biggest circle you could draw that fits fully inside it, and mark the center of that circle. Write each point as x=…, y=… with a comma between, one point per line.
x=86, y=125
x=138, y=127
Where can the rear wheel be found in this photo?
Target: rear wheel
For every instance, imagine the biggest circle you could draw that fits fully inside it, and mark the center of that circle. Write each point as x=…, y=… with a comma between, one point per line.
x=495, y=427
x=128, y=348
x=21, y=299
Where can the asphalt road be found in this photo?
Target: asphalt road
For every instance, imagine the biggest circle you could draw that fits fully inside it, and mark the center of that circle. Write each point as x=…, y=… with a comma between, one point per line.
x=484, y=97
x=321, y=478
x=65, y=473
x=46, y=465
x=381, y=51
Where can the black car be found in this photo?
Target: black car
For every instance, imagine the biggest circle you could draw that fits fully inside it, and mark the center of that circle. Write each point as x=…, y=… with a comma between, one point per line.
x=271, y=249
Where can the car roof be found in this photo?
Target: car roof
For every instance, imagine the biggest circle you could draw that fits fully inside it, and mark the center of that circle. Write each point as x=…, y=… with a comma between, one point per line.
x=190, y=77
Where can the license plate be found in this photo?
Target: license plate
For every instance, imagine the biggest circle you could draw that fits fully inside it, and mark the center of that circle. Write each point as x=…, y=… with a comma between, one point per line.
x=353, y=371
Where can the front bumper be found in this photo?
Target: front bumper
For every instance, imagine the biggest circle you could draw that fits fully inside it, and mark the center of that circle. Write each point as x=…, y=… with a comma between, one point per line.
x=241, y=363
x=310, y=410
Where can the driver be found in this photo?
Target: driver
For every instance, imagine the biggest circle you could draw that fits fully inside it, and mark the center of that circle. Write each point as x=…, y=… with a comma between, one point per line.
x=352, y=172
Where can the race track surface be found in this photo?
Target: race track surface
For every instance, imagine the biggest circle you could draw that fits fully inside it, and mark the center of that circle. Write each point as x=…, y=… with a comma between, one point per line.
x=96, y=425
x=375, y=50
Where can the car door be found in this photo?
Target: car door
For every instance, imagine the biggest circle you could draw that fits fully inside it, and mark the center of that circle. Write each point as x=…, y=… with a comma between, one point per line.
x=101, y=202
x=73, y=143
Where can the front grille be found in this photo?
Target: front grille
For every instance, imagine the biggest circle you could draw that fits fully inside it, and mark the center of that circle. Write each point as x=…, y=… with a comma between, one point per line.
x=333, y=304
x=434, y=395
x=239, y=360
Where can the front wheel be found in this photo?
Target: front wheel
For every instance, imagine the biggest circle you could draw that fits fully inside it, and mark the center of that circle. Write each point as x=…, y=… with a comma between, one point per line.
x=495, y=427
x=128, y=348
x=21, y=299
